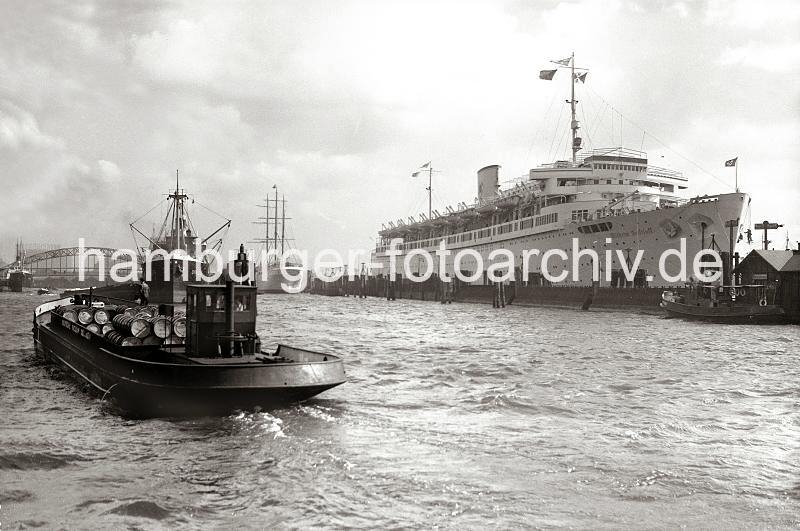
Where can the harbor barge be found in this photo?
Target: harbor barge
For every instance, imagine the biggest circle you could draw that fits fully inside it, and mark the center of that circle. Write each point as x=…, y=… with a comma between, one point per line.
x=189, y=349
x=218, y=367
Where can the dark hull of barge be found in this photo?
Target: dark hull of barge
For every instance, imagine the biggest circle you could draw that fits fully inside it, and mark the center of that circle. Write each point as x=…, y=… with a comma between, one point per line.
x=160, y=383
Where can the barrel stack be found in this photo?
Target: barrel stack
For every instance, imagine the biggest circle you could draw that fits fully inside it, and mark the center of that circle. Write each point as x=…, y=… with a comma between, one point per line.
x=128, y=325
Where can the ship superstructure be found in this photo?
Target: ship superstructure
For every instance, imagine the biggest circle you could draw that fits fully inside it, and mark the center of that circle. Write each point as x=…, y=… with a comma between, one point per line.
x=607, y=200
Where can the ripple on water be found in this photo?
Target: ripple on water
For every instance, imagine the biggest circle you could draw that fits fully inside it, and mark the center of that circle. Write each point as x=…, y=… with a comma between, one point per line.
x=36, y=460
x=141, y=509
x=15, y=496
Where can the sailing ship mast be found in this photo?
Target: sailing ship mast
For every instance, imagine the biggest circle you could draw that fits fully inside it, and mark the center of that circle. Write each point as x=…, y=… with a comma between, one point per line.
x=271, y=221
x=264, y=220
x=275, y=226
x=283, y=222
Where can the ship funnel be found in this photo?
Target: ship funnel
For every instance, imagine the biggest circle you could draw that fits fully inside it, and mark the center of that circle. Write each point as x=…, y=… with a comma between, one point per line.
x=242, y=266
x=488, y=182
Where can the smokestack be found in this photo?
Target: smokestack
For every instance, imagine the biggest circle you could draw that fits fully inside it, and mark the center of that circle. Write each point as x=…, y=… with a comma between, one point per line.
x=229, y=322
x=241, y=266
x=488, y=182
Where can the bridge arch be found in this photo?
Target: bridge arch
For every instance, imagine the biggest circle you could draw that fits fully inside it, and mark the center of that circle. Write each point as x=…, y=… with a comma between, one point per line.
x=65, y=262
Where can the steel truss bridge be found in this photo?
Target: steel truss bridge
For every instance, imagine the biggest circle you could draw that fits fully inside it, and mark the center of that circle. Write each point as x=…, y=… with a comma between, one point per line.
x=65, y=263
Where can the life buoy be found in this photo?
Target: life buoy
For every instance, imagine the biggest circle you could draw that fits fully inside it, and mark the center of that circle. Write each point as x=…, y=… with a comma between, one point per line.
x=742, y=292
x=733, y=292
x=763, y=301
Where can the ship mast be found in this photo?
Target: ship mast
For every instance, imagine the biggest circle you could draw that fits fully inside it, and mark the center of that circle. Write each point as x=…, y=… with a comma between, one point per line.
x=264, y=220
x=176, y=231
x=266, y=224
x=275, y=225
x=283, y=223
x=271, y=222
x=576, y=140
x=178, y=216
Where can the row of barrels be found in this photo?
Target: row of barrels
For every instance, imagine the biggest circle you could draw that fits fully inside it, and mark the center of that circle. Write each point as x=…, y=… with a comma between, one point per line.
x=86, y=315
x=128, y=326
x=160, y=326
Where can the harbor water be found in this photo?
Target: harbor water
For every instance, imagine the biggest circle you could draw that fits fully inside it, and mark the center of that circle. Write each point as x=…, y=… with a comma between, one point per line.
x=456, y=416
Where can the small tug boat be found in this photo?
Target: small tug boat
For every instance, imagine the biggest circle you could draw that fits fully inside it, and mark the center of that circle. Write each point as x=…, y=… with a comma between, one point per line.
x=723, y=304
x=193, y=352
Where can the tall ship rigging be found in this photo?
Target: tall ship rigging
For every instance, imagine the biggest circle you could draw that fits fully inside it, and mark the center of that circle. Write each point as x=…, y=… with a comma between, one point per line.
x=275, y=244
x=608, y=199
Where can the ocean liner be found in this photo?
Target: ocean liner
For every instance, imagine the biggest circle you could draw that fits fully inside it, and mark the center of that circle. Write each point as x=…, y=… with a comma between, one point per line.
x=607, y=200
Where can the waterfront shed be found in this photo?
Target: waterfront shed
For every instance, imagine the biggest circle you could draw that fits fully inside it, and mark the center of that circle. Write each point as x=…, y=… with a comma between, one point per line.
x=790, y=287
x=762, y=266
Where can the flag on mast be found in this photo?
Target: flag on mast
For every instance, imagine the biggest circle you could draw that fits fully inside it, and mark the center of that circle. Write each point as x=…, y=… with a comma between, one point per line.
x=423, y=167
x=581, y=77
x=547, y=74
x=563, y=62
x=731, y=163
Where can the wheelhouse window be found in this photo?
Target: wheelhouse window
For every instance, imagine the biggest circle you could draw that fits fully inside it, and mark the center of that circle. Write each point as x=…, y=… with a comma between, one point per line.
x=242, y=303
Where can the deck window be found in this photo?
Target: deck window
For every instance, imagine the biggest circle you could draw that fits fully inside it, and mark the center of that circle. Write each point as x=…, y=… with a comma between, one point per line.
x=242, y=303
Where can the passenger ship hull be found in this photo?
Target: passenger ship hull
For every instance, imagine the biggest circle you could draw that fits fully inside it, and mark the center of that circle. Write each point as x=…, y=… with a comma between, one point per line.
x=701, y=222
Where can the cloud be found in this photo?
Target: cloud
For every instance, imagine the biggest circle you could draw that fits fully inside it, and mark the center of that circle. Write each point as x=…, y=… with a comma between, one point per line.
x=337, y=103
x=776, y=58
x=20, y=130
x=109, y=170
x=748, y=15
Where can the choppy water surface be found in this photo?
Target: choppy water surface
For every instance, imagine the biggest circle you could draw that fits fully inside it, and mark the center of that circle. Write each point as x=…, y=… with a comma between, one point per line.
x=453, y=416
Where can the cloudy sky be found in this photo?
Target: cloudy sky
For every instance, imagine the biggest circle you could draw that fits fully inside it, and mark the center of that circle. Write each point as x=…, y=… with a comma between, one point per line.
x=338, y=102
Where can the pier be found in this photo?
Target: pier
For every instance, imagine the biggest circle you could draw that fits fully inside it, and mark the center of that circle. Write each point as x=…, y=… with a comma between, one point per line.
x=433, y=289
x=779, y=270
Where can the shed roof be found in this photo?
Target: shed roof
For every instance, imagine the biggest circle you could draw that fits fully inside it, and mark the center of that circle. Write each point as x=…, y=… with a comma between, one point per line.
x=776, y=259
x=792, y=265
